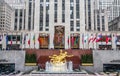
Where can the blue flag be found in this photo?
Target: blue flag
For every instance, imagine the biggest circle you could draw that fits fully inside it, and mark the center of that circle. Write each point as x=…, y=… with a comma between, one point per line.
x=116, y=39
x=6, y=39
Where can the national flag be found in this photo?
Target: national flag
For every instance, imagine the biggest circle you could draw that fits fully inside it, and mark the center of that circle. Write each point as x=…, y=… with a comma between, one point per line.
x=21, y=38
x=76, y=40
x=0, y=37
x=6, y=39
x=24, y=39
x=108, y=38
x=29, y=42
x=94, y=38
x=82, y=38
x=99, y=38
x=116, y=39
x=72, y=40
x=68, y=41
x=11, y=40
x=85, y=38
x=39, y=40
x=34, y=39
x=91, y=38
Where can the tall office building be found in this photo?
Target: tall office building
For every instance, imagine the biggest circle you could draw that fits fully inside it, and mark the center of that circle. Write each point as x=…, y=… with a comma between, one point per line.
x=100, y=20
x=112, y=6
x=59, y=18
x=89, y=14
x=105, y=4
x=30, y=13
x=18, y=19
x=115, y=9
x=95, y=18
x=6, y=13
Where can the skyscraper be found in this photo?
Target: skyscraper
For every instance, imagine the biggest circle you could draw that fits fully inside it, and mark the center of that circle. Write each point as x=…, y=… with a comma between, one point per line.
x=19, y=14
x=6, y=13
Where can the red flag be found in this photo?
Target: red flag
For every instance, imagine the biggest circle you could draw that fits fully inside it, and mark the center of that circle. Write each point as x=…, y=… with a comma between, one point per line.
x=39, y=40
x=72, y=40
x=29, y=42
x=91, y=38
x=11, y=42
x=99, y=38
x=107, y=39
x=94, y=38
x=68, y=40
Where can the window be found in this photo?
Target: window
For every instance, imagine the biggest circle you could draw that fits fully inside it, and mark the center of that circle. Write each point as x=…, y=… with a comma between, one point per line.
x=77, y=25
x=55, y=10
x=16, y=12
x=77, y=9
x=71, y=9
x=46, y=29
x=71, y=25
x=47, y=13
x=63, y=11
x=21, y=13
x=41, y=16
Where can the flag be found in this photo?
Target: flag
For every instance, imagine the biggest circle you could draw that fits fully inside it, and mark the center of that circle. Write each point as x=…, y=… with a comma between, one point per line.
x=94, y=38
x=11, y=40
x=108, y=38
x=0, y=37
x=99, y=38
x=21, y=38
x=76, y=40
x=29, y=42
x=82, y=38
x=34, y=39
x=68, y=41
x=72, y=40
x=85, y=38
x=91, y=38
x=39, y=40
x=24, y=39
x=6, y=39
x=116, y=39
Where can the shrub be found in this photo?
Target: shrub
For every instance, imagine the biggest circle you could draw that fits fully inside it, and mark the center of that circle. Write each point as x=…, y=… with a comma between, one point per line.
x=87, y=58
x=30, y=58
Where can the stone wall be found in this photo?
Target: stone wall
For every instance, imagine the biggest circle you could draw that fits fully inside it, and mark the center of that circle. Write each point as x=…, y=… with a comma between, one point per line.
x=104, y=56
x=17, y=57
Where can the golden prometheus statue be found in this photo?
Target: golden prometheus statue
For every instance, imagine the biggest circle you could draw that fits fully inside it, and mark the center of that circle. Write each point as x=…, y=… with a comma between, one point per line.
x=59, y=59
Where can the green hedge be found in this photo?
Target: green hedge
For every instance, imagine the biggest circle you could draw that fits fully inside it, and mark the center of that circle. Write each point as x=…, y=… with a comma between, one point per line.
x=30, y=58
x=87, y=58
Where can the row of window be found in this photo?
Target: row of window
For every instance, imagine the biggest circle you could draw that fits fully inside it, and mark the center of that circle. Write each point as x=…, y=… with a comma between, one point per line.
x=72, y=25
x=41, y=21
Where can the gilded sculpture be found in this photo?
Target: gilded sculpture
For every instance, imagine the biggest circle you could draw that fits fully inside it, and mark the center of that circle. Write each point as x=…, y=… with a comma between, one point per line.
x=59, y=59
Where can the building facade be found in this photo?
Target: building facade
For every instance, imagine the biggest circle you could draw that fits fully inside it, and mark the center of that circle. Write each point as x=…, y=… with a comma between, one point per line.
x=59, y=18
x=6, y=13
x=114, y=25
x=30, y=15
x=113, y=8
x=100, y=20
x=88, y=40
x=18, y=19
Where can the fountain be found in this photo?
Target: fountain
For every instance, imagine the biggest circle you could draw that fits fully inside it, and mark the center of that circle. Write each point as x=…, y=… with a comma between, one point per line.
x=58, y=63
